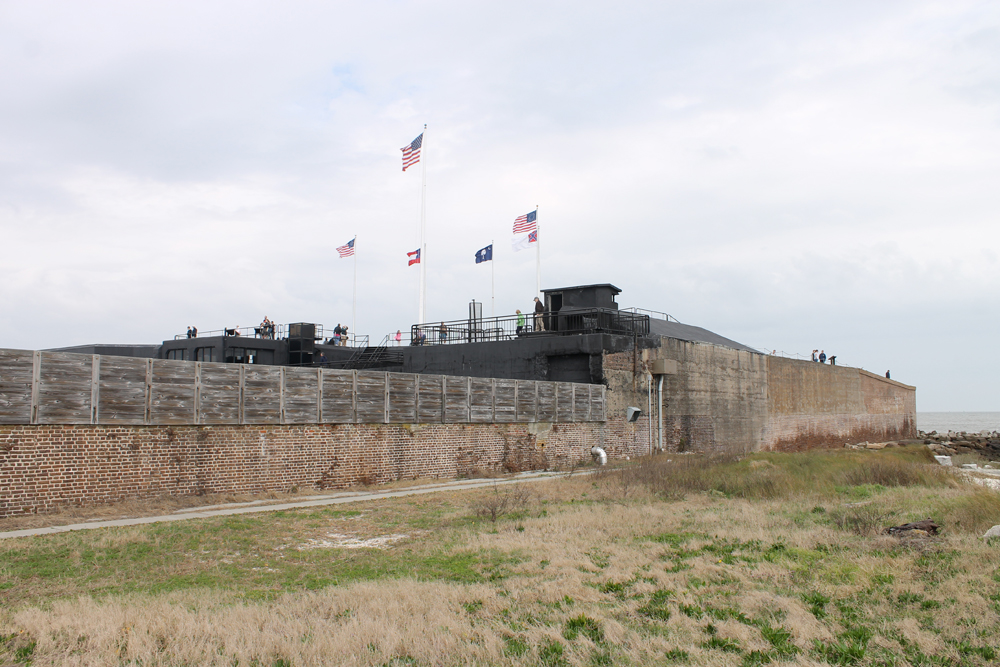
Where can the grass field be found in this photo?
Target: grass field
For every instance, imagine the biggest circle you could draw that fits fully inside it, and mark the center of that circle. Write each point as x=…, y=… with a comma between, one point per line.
x=771, y=559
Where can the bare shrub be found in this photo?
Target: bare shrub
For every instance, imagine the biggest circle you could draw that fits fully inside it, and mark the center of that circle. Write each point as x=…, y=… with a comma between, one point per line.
x=501, y=500
x=864, y=520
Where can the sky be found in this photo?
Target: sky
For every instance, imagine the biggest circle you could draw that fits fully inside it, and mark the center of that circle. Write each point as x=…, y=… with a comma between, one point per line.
x=791, y=175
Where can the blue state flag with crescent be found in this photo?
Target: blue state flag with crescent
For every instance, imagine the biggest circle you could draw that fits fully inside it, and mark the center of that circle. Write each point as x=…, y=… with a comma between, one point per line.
x=485, y=255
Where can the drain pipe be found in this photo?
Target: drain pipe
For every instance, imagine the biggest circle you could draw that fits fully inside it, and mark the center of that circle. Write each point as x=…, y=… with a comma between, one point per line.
x=659, y=414
x=649, y=409
x=600, y=455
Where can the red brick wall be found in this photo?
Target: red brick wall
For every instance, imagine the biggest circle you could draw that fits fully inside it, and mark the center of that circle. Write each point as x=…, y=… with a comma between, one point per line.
x=43, y=467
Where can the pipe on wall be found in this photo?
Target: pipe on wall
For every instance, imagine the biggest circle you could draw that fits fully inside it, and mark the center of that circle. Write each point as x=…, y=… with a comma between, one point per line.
x=600, y=455
x=649, y=408
x=659, y=414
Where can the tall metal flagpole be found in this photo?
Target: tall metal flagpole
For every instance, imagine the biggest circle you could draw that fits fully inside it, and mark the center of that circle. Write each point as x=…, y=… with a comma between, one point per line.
x=354, y=305
x=493, y=291
x=423, y=230
x=538, y=254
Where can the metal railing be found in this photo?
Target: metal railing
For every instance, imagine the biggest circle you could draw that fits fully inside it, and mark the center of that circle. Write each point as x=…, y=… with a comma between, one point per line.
x=660, y=315
x=276, y=332
x=512, y=327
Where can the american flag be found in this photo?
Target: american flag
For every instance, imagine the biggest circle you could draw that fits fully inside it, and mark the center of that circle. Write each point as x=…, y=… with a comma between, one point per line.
x=411, y=153
x=414, y=257
x=526, y=223
x=346, y=250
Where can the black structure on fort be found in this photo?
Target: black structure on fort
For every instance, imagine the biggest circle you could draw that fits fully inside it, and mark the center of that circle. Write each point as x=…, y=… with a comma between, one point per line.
x=566, y=344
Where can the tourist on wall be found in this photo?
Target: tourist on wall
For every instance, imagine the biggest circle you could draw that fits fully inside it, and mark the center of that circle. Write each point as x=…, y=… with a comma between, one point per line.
x=520, y=321
x=539, y=319
x=443, y=333
x=399, y=336
x=815, y=358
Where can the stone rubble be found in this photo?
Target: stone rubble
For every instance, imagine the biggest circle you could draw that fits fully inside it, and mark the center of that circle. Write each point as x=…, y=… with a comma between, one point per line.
x=984, y=443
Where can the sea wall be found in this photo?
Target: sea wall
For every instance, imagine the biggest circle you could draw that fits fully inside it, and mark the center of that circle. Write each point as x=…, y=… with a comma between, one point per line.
x=722, y=400
x=819, y=405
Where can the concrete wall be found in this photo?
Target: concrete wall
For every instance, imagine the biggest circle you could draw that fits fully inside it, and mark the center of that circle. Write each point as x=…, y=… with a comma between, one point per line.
x=818, y=405
x=733, y=401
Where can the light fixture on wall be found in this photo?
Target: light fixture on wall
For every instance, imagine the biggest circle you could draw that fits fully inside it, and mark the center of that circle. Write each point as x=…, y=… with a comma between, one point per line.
x=632, y=413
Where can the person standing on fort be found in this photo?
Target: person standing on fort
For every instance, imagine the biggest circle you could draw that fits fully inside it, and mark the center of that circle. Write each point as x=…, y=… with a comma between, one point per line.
x=443, y=333
x=822, y=357
x=399, y=336
x=887, y=376
x=337, y=331
x=343, y=336
x=815, y=358
x=520, y=321
x=539, y=319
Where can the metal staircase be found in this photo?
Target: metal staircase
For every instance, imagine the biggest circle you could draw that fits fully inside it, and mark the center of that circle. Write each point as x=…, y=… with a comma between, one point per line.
x=379, y=356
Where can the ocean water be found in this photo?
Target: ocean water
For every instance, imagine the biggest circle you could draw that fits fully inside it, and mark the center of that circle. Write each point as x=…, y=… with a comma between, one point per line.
x=973, y=422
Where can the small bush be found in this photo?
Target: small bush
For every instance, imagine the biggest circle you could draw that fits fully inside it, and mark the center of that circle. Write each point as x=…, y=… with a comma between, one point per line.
x=864, y=520
x=502, y=500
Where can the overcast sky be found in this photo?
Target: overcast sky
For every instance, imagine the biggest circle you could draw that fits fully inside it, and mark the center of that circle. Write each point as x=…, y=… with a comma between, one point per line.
x=791, y=175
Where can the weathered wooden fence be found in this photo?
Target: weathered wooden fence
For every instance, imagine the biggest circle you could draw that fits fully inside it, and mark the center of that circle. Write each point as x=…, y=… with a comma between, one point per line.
x=63, y=388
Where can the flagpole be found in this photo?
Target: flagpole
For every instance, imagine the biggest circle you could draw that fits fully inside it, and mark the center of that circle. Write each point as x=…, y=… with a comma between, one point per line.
x=538, y=254
x=354, y=304
x=423, y=230
x=493, y=291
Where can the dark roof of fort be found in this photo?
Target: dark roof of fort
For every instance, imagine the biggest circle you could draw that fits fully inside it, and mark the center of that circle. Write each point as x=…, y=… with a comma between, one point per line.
x=693, y=334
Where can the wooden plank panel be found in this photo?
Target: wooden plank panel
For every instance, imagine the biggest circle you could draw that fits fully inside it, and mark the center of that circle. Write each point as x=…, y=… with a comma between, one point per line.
x=525, y=400
x=220, y=394
x=261, y=394
x=481, y=403
x=64, y=388
x=457, y=399
x=430, y=399
x=371, y=397
x=300, y=396
x=172, y=399
x=581, y=402
x=15, y=386
x=597, y=403
x=338, y=386
x=122, y=391
x=402, y=398
x=506, y=411
x=564, y=402
x=546, y=402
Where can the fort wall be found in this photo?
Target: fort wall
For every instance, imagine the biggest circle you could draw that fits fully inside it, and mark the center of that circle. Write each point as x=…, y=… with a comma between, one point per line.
x=723, y=400
x=44, y=467
x=819, y=405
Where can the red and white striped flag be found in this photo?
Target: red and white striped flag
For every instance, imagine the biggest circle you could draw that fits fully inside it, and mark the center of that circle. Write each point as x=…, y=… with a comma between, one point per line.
x=414, y=257
x=346, y=250
x=525, y=224
x=411, y=153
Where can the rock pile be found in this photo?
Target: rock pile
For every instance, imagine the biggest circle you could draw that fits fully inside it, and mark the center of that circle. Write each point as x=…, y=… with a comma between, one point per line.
x=985, y=443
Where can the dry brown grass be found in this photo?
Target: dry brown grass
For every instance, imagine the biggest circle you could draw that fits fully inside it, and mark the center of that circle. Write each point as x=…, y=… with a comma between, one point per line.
x=644, y=581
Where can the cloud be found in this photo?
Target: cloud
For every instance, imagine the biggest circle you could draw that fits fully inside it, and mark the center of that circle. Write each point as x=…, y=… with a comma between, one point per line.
x=781, y=173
